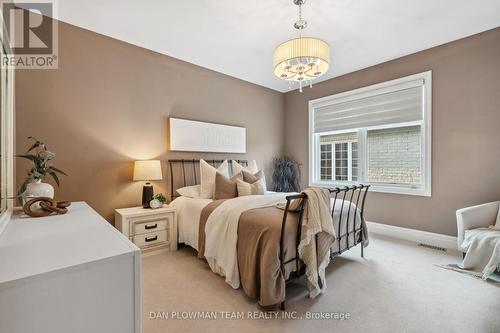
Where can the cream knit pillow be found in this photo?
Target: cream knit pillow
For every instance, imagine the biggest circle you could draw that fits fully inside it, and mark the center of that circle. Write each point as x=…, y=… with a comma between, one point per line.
x=245, y=188
x=207, y=175
x=252, y=168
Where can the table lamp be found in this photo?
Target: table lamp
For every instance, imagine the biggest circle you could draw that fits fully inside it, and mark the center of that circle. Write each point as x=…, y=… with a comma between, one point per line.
x=147, y=171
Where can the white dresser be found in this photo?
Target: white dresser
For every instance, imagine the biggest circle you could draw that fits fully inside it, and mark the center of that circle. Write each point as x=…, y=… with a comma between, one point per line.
x=68, y=273
x=152, y=230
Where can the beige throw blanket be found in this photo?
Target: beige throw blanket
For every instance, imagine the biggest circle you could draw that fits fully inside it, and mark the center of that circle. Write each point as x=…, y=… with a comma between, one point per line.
x=258, y=248
x=221, y=233
x=316, y=239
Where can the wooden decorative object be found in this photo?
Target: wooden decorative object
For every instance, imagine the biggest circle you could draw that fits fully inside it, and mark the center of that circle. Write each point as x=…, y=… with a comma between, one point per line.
x=48, y=206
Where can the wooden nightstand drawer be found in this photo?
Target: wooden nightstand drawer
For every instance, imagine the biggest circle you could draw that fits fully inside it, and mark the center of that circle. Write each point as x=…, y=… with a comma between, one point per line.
x=150, y=238
x=152, y=230
x=150, y=226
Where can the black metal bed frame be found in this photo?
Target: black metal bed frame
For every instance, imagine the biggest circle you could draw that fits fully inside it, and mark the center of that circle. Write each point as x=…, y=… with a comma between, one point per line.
x=193, y=163
x=355, y=195
x=361, y=191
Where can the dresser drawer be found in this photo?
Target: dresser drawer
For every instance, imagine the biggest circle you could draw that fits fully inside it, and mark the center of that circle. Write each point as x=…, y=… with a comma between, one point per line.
x=150, y=226
x=150, y=238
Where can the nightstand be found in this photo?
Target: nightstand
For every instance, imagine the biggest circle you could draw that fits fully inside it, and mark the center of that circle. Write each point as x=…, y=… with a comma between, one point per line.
x=152, y=230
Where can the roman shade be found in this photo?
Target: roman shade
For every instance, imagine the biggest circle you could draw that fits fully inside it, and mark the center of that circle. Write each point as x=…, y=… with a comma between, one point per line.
x=333, y=138
x=375, y=107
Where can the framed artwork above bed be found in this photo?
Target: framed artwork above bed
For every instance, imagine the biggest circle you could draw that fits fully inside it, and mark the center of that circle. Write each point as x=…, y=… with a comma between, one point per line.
x=199, y=136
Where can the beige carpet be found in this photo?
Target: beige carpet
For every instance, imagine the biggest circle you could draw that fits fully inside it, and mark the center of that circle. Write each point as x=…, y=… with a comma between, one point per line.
x=396, y=288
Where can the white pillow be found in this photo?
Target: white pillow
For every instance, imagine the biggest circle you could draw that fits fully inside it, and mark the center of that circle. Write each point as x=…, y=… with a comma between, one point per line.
x=252, y=168
x=207, y=175
x=497, y=224
x=190, y=191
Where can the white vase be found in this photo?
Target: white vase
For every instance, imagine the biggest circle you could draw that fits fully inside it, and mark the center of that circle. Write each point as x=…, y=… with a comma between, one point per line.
x=38, y=189
x=155, y=203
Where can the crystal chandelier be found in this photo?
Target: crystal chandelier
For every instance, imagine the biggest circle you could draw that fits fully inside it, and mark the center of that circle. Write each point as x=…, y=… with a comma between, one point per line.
x=301, y=59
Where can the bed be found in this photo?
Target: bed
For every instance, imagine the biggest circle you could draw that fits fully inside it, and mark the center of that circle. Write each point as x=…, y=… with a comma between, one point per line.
x=188, y=218
x=252, y=242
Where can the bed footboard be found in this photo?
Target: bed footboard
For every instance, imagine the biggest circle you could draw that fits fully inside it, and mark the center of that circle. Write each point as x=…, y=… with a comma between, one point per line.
x=348, y=221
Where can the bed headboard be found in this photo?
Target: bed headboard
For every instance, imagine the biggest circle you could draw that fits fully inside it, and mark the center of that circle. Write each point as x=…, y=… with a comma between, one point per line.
x=185, y=172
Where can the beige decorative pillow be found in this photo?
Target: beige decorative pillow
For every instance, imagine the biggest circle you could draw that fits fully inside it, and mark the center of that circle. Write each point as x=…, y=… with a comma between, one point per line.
x=253, y=177
x=207, y=175
x=245, y=188
x=251, y=168
x=237, y=168
x=226, y=188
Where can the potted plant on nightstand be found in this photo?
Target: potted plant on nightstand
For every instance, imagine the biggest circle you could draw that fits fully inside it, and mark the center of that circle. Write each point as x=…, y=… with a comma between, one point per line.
x=33, y=186
x=158, y=201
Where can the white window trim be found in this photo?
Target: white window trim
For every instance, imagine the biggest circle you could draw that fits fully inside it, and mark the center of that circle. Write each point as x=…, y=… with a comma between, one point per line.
x=349, y=160
x=7, y=141
x=426, y=138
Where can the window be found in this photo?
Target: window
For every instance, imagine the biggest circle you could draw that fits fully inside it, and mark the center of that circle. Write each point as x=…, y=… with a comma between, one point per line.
x=326, y=162
x=343, y=156
x=394, y=156
x=378, y=135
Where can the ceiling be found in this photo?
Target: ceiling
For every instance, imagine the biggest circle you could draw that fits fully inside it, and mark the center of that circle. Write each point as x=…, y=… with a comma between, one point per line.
x=238, y=38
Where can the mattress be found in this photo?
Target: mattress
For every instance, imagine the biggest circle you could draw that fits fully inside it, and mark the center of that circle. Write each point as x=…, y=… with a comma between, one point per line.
x=188, y=218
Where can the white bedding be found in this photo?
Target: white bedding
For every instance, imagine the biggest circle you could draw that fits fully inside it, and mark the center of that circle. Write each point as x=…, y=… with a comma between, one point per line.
x=222, y=227
x=221, y=232
x=349, y=209
x=188, y=218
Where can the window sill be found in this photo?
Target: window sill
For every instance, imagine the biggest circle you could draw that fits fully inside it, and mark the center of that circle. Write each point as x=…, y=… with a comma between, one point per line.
x=378, y=188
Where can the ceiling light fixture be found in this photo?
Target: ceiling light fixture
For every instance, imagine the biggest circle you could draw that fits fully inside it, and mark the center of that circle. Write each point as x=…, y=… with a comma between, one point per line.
x=301, y=59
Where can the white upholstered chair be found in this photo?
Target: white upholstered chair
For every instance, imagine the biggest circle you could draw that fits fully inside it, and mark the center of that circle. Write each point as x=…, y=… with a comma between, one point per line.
x=480, y=216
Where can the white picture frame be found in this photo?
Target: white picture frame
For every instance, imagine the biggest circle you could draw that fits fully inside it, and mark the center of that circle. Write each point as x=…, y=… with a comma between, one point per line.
x=199, y=136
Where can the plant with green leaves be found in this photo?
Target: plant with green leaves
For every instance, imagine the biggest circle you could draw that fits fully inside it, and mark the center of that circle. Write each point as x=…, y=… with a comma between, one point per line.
x=41, y=157
x=160, y=197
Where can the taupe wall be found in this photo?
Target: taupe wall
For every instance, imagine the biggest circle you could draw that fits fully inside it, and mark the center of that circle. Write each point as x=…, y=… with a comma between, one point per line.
x=109, y=101
x=108, y=104
x=466, y=130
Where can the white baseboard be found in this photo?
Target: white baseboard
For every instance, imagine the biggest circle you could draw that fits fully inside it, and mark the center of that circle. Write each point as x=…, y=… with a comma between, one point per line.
x=417, y=236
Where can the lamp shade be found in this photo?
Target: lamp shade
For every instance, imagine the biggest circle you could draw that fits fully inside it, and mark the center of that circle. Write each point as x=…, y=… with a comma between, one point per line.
x=301, y=59
x=147, y=170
